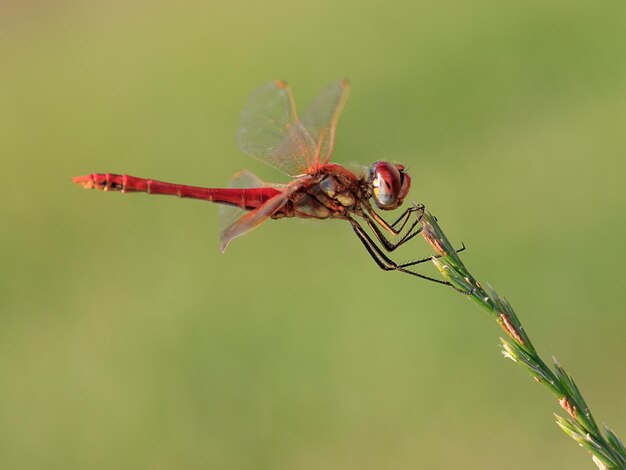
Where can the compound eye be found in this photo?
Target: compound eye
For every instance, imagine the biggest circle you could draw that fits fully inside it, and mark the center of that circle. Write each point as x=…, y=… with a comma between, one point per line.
x=406, y=185
x=387, y=185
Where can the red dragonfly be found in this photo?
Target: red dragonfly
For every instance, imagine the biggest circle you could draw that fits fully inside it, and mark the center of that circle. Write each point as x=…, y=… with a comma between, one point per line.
x=271, y=131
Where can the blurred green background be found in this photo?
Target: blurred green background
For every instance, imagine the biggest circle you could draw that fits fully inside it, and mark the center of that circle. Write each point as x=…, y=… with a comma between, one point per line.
x=128, y=341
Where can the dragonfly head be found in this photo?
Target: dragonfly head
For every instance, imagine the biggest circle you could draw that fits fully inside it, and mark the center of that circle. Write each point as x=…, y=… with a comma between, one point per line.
x=389, y=183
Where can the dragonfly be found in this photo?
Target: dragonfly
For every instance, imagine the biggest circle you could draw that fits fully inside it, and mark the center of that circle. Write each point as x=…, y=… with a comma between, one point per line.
x=271, y=131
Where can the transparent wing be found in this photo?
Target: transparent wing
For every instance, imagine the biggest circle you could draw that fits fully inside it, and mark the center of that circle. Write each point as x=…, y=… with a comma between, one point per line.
x=359, y=169
x=242, y=179
x=250, y=220
x=320, y=118
x=269, y=130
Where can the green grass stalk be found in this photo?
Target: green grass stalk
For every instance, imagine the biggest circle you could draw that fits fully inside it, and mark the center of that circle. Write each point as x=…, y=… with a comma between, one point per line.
x=606, y=449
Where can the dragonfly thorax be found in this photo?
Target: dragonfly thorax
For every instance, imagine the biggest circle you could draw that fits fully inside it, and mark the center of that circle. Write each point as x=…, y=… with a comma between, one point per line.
x=331, y=194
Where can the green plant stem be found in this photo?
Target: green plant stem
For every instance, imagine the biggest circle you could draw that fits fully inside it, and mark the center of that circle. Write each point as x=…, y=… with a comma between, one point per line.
x=607, y=450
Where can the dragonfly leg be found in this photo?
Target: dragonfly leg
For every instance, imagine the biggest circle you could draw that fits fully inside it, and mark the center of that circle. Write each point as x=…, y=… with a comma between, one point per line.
x=391, y=246
x=406, y=214
x=404, y=218
x=382, y=260
x=411, y=232
x=423, y=260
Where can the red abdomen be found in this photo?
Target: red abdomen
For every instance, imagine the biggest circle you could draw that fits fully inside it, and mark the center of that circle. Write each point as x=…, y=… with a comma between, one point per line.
x=246, y=198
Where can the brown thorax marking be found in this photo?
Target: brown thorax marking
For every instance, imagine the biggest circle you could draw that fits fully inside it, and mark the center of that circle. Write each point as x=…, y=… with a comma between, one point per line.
x=332, y=196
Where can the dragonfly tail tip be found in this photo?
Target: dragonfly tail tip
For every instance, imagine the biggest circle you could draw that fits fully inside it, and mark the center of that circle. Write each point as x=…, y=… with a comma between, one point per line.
x=85, y=181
